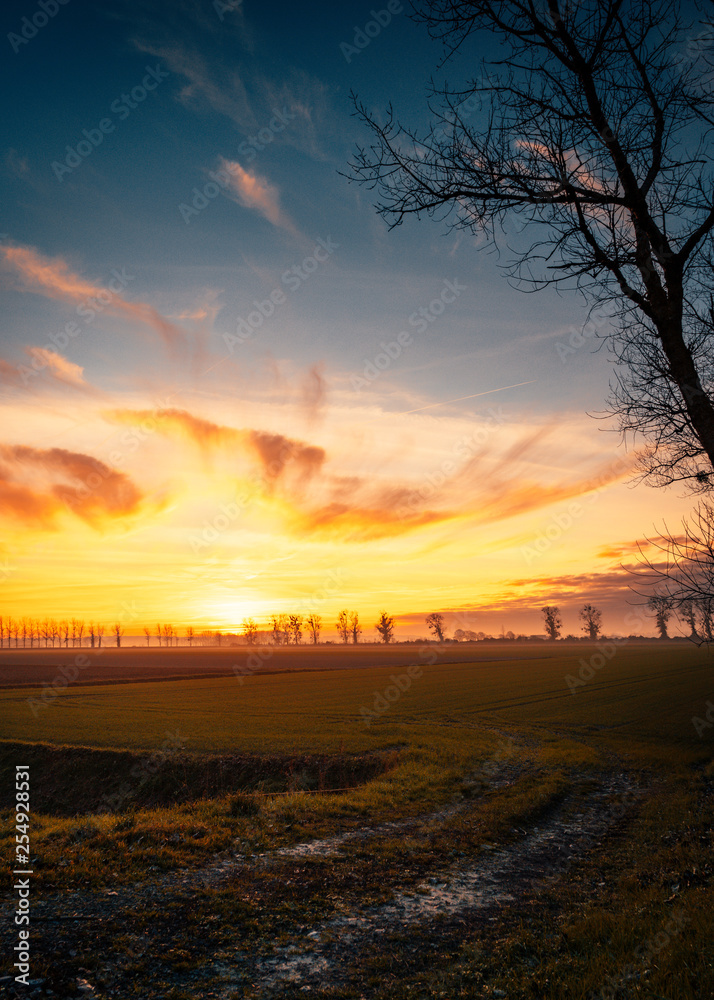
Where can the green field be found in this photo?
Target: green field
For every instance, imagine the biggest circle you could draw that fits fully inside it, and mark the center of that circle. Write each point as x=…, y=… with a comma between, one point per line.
x=648, y=693
x=469, y=755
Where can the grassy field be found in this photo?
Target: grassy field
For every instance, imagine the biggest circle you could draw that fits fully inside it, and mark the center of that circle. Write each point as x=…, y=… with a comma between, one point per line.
x=198, y=769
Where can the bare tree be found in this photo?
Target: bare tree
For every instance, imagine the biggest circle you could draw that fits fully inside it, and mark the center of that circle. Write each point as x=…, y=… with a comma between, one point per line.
x=190, y=635
x=79, y=631
x=295, y=627
x=385, y=627
x=159, y=633
x=249, y=630
x=662, y=609
x=588, y=128
x=688, y=613
x=592, y=620
x=92, y=631
x=343, y=625
x=552, y=621
x=100, y=632
x=281, y=631
x=147, y=632
x=118, y=632
x=355, y=627
x=706, y=610
x=680, y=570
x=314, y=624
x=435, y=624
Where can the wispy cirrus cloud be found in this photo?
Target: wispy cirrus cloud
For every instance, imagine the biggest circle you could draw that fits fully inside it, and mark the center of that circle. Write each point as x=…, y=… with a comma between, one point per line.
x=53, y=278
x=256, y=193
x=275, y=452
x=315, y=497
x=58, y=366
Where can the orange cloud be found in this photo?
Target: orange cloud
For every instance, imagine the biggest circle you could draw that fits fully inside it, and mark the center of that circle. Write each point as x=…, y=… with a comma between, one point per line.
x=36, y=485
x=621, y=550
x=60, y=367
x=314, y=392
x=275, y=452
x=53, y=279
x=254, y=192
x=484, y=489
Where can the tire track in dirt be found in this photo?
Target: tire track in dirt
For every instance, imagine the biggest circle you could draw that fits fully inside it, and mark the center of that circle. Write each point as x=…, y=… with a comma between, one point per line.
x=501, y=877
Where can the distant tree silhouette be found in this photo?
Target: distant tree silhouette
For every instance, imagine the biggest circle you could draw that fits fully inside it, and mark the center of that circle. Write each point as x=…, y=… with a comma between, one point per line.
x=159, y=631
x=147, y=632
x=355, y=627
x=314, y=624
x=281, y=629
x=592, y=620
x=343, y=625
x=682, y=568
x=688, y=612
x=249, y=630
x=118, y=632
x=435, y=624
x=552, y=621
x=662, y=608
x=385, y=627
x=295, y=627
x=100, y=632
x=706, y=610
x=190, y=635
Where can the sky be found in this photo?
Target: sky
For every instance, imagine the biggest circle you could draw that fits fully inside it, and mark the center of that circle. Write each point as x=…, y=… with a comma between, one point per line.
x=229, y=390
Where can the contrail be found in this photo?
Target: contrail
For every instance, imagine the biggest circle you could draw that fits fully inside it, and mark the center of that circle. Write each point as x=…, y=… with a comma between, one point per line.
x=487, y=393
